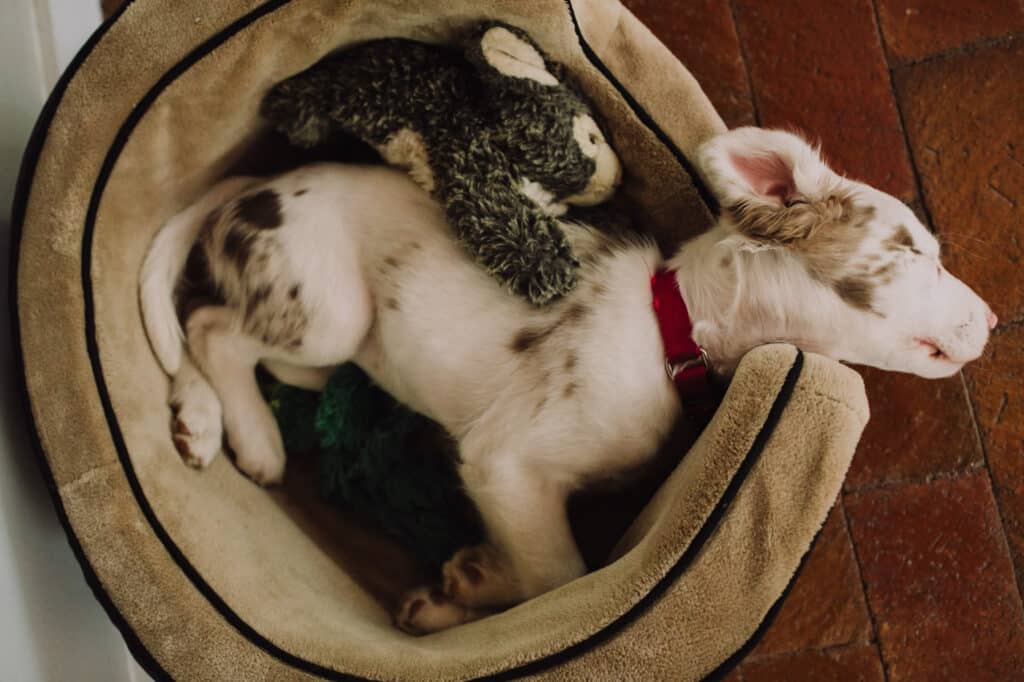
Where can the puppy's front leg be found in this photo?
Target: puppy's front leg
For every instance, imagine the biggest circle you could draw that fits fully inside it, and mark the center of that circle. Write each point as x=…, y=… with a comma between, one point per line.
x=196, y=425
x=228, y=359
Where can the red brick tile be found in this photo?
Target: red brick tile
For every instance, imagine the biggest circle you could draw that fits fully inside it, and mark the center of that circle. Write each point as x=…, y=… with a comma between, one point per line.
x=964, y=120
x=918, y=427
x=826, y=605
x=702, y=35
x=857, y=663
x=820, y=67
x=939, y=580
x=915, y=29
x=997, y=388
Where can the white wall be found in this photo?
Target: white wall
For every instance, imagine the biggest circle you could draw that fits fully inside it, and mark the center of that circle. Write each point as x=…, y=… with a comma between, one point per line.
x=51, y=627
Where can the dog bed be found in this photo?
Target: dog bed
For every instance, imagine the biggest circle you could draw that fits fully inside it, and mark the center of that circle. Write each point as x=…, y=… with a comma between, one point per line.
x=209, y=576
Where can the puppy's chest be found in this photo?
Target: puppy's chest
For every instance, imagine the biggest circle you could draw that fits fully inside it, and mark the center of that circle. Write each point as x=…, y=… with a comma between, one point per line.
x=607, y=413
x=580, y=382
x=590, y=387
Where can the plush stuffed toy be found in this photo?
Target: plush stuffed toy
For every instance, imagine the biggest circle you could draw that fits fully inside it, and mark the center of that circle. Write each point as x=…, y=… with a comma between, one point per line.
x=497, y=132
x=392, y=467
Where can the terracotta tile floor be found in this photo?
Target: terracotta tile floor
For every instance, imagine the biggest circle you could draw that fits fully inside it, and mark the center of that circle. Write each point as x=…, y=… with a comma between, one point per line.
x=919, y=571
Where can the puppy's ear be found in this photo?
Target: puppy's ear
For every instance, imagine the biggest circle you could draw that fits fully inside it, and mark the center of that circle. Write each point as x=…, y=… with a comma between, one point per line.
x=773, y=185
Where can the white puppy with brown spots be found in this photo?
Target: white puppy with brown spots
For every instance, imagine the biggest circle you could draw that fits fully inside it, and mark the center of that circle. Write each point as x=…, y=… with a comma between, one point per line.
x=331, y=263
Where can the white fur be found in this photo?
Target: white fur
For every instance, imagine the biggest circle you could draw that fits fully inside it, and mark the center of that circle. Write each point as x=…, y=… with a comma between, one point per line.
x=386, y=286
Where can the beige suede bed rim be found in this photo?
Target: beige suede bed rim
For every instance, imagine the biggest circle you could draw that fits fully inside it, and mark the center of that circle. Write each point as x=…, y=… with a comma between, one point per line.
x=18, y=215
x=19, y=207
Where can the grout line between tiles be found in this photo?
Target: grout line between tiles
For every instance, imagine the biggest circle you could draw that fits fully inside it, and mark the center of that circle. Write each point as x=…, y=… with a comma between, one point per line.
x=964, y=49
x=1010, y=324
x=996, y=492
x=746, y=64
x=782, y=655
x=863, y=587
x=949, y=475
x=907, y=147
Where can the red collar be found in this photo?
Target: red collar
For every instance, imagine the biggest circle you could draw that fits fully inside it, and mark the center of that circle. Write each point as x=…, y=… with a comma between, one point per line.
x=686, y=363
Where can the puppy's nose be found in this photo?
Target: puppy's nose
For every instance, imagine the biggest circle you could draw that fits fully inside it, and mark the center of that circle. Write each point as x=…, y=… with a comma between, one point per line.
x=992, y=320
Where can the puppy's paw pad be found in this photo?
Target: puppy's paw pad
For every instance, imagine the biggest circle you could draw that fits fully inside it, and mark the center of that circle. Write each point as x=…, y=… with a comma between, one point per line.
x=197, y=434
x=476, y=576
x=463, y=573
x=428, y=609
x=184, y=448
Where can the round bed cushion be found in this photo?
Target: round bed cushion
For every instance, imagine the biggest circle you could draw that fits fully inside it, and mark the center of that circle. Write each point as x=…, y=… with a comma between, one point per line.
x=209, y=576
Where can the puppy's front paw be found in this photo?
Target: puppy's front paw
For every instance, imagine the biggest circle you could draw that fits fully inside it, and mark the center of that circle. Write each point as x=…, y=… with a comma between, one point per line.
x=196, y=425
x=428, y=609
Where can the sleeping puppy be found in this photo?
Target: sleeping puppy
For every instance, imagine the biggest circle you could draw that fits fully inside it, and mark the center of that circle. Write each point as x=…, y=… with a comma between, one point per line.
x=331, y=264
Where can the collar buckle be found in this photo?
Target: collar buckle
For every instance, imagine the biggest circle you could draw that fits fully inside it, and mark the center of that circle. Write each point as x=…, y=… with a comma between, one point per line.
x=676, y=367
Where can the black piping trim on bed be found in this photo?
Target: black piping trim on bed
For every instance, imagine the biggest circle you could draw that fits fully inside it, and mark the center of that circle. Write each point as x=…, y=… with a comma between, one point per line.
x=142, y=655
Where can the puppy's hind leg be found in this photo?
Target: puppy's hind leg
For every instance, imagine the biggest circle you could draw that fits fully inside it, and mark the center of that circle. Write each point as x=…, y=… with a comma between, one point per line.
x=309, y=378
x=531, y=550
x=228, y=358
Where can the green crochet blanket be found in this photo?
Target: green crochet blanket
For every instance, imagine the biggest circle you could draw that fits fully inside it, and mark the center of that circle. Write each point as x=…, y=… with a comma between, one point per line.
x=391, y=466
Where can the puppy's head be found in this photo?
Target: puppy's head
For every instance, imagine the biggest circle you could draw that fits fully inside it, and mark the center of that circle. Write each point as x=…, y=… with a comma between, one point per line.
x=881, y=296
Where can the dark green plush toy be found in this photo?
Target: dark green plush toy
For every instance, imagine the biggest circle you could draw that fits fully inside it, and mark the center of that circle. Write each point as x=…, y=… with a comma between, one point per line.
x=391, y=466
x=495, y=130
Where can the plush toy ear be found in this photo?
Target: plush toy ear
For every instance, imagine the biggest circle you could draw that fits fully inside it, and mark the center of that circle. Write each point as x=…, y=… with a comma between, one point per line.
x=508, y=56
x=773, y=183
